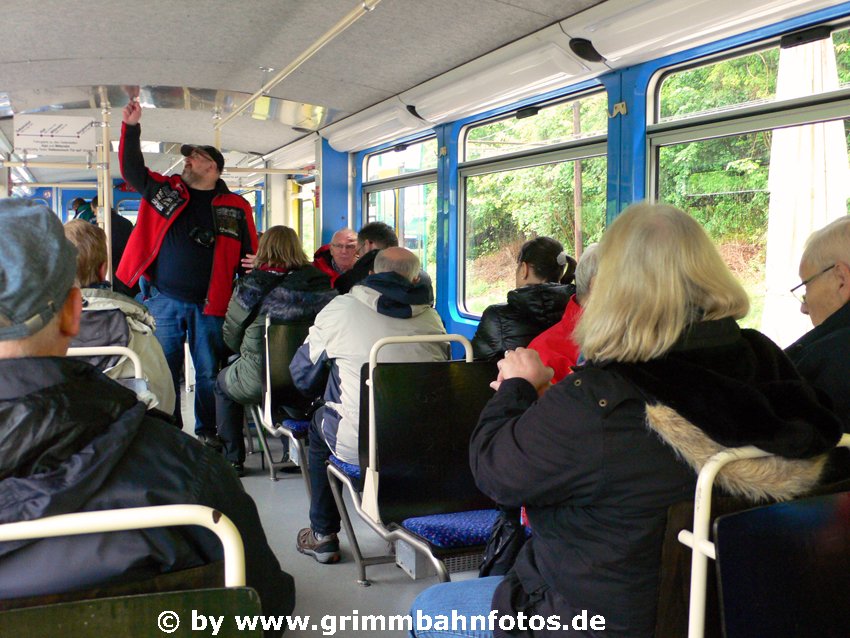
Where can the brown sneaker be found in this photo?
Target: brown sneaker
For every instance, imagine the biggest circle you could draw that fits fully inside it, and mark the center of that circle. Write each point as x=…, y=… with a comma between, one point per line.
x=324, y=549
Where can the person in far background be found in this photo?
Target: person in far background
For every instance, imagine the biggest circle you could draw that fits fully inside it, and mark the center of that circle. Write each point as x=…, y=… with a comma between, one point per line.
x=121, y=229
x=339, y=256
x=373, y=237
x=556, y=346
x=191, y=234
x=543, y=289
x=83, y=210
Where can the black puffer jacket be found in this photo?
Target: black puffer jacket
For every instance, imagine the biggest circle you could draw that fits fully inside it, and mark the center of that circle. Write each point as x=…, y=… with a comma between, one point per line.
x=602, y=455
x=530, y=310
x=72, y=440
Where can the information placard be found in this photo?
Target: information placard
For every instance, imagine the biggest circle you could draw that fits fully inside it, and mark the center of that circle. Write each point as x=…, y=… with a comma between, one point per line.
x=54, y=134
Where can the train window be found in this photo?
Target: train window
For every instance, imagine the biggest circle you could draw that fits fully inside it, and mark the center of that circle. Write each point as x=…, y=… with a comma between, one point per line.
x=761, y=178
x=564, y=200
x=756, y=78
x=537, y=127
x=402, y=160
x=401, y=191
x=549, y=179
x=305, y=207
x=412, y=211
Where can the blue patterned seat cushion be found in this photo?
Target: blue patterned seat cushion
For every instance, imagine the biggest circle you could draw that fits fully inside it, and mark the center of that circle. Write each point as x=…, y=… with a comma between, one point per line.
x=447, y=531
x=349, y=469
x=298, y=428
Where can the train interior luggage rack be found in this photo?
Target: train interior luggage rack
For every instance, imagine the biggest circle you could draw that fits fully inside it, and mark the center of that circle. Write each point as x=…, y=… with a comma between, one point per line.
x=413, y=486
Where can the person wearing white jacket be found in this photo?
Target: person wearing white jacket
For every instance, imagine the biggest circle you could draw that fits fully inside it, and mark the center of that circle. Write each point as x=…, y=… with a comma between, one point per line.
x=390, y=302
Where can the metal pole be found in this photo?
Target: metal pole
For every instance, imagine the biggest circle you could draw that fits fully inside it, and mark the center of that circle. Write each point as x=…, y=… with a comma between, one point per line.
x=339, y=27
x=269, y=171
x=80, y=185
x=105, y=198
x=26, y=164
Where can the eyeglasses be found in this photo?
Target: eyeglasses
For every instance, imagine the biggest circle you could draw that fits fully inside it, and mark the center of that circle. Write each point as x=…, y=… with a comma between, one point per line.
x=196, y=154
x=345, y=246
x=801, y=296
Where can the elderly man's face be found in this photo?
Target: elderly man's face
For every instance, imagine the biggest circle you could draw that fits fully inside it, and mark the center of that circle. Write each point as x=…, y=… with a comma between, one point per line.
x=344, y=249
x=826, y=291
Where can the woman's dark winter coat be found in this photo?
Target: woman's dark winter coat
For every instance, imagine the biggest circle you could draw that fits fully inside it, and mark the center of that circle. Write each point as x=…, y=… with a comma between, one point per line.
x=529, y=311
x=297, y=295
x=602, y=455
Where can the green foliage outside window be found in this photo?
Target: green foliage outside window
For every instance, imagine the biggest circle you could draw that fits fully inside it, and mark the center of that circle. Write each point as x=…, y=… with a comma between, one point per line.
x=723, y=182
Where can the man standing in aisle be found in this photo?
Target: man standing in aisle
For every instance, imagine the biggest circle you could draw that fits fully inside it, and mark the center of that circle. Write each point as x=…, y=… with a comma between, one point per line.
x=191, y=233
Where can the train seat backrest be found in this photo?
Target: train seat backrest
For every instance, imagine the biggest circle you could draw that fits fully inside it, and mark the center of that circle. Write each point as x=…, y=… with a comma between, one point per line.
x=425, y=414
x=284, y=339
x=139, y=615
x=675, y=578
x=784, y=569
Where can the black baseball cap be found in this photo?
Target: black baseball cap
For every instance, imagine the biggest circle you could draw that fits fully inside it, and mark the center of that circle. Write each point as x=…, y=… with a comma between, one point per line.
x=210, y=151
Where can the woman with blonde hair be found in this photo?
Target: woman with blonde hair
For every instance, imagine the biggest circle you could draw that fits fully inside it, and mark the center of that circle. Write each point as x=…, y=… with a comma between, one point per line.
x=598, y=458
x=284, y=286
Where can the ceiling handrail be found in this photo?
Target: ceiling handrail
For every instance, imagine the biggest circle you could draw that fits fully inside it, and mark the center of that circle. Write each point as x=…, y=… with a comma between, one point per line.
x=363, y=7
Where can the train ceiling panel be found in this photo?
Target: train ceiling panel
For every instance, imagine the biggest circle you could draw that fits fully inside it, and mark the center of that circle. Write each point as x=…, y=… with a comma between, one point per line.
x=193, y=61
x=219, y=47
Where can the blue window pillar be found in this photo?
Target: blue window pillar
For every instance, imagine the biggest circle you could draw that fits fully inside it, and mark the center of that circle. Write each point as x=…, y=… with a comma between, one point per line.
x=627, y=159
x=332, y=191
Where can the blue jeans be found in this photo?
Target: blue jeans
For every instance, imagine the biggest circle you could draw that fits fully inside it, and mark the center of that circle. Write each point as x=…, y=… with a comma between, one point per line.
x=324, y=515
x=176, y=322
x=465, y=599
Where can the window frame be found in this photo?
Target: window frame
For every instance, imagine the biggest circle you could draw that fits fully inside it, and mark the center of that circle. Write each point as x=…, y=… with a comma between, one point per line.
x=777, y=114
x=574, y=150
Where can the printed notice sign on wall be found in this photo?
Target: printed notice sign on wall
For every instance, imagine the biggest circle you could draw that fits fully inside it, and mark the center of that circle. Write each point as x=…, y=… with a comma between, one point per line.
x=54, y=134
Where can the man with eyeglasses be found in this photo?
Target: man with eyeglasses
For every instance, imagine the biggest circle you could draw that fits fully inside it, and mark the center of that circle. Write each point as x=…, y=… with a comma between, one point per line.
x=822, y=355
x=339, y=256
x=190, y=236
x=372, y=238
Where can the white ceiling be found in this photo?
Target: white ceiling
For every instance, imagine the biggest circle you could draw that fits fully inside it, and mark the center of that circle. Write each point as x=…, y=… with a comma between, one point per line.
x=190, y=57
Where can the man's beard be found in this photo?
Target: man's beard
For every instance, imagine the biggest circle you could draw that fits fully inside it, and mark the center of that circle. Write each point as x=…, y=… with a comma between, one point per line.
x=190, y=177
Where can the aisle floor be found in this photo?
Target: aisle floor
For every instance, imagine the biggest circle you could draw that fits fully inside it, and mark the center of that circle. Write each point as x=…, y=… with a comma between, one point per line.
x=323, y=589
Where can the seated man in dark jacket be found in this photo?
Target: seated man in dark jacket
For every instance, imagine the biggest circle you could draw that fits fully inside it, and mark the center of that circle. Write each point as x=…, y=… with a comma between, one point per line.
x=76, y=441
x=822, y=355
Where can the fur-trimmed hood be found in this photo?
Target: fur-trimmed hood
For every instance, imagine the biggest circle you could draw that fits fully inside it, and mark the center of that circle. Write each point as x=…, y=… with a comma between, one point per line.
x=722, y=387
x=764, y=479
x=292, y=296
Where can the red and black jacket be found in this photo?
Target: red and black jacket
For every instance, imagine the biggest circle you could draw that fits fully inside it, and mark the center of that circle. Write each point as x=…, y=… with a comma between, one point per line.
x=323, y=261
x=163, y=199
